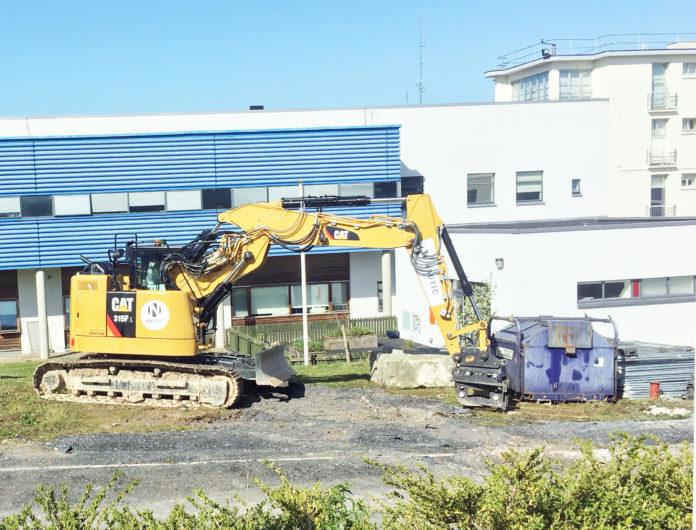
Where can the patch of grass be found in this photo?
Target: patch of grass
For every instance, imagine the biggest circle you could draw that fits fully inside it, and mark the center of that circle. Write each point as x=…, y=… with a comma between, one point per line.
x=25, y=415
x=341, y=374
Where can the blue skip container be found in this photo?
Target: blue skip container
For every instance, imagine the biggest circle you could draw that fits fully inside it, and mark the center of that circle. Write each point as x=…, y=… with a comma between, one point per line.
x=557, y=359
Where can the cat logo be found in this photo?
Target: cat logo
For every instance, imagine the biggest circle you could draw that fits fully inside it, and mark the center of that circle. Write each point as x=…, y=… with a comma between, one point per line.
x=122, y=305
x=154, y=315
x=340, y=234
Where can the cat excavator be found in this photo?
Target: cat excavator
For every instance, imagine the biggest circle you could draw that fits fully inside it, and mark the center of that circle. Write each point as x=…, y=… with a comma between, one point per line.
x=143, y=319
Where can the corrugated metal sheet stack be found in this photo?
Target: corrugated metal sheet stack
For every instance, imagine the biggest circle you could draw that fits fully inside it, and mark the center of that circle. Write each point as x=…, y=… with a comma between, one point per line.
x=639, y=364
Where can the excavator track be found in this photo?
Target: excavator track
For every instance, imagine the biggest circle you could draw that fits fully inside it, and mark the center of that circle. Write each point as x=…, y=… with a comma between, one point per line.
x=212, y=381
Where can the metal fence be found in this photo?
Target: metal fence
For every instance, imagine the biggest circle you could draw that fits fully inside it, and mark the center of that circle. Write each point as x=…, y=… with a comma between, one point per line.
x=662, y=211
x=661, y=157
x=289, y=331
x=613, y=42
x=639, y=364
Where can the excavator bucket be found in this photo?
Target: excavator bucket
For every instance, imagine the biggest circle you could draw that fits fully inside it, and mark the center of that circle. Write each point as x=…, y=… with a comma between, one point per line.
x=271, y=367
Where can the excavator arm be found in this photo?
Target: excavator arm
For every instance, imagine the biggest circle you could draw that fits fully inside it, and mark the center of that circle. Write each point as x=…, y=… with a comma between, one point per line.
x=209, y=277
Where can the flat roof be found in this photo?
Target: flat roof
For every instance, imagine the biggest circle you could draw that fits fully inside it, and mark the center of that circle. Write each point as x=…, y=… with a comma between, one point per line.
x=567, y=225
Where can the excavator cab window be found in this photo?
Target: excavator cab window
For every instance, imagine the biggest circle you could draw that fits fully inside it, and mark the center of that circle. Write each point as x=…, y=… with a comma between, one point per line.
x=145, y=267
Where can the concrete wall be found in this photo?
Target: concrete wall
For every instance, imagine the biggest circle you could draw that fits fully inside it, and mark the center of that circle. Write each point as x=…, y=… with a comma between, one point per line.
x=28, y=313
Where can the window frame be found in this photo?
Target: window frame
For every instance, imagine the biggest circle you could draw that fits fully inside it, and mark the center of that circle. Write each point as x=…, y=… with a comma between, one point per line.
x=539, y=200
x=60, y=196
x=692, y=184
x=66, y=311
x=475, y=204
x=583, y=81
x=17, y=328
x=689, y=69
x=529, y=88
x=689, y=125
x=11, y=213
x=661, y=133
x=22, y=198
x=573, y=191
x=636, y=293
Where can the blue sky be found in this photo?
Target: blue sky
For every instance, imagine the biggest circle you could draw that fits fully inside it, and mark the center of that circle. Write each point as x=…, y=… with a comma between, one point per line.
x=120, y=57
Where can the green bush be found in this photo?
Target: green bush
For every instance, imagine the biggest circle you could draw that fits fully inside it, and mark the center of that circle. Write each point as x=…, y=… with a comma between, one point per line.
x=640, y=485
x=313, y=345
x=355, y=331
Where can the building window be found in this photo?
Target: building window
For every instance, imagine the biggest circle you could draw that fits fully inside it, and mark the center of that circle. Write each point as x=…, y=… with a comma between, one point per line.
x=689, y=125
x=339, y=296
x=689, y=68
x=36, y=205
x=71, y=205
x=240, y=302
x=533, y=88
x=319, y=190
x=9, y=207
x=575, y=84
x=631, y=292
x=479, y=188
x=317, y=298
x=269, y=301
x=146, y=201
x=688, y=180
x=380, y=297
x=217, y=199
x=66, y=310
x=109, y=202
x=276, y=193
x=529, y=186
x=9, y=315
x=385, y=190
x=184, y=200
x=366, y=189
x=659, y=128
x=575, y=188
x=242, y=196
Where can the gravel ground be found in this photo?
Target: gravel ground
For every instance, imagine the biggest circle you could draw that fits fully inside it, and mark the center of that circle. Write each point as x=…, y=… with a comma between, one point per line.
x=314, y=433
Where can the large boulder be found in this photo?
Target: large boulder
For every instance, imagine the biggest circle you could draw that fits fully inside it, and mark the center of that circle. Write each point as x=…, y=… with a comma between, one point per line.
x=409, y=370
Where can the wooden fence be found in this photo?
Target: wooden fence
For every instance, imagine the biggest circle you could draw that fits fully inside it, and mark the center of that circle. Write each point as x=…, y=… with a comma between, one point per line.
x=290, y=331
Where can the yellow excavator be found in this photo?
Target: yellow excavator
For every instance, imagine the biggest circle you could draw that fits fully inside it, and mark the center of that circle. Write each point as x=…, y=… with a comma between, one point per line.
x=142, y=319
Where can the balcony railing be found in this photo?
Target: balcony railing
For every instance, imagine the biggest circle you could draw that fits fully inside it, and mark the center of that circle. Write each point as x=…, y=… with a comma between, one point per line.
x=658, y=158
x=662, y=210
x=662, y=101
x=616, y=42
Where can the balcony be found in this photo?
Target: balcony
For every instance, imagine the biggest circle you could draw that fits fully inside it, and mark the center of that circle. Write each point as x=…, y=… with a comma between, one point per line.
x=661, y=210
x=661, y=157
x=662, y=102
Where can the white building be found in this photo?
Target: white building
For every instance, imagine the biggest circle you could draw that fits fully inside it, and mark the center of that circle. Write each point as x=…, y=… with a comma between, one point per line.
x=651, y=89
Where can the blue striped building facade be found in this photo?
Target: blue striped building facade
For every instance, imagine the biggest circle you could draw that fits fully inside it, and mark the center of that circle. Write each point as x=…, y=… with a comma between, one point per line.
x=66, y=196
x=64, y=166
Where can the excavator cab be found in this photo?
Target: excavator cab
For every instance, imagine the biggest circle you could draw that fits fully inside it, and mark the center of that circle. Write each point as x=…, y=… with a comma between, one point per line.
x=145, y=263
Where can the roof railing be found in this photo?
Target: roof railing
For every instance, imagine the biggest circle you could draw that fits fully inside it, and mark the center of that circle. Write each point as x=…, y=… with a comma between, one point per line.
x=612, y=42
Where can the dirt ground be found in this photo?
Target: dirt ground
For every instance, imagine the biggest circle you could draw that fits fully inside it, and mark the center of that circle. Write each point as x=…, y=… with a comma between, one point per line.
x=314, y=433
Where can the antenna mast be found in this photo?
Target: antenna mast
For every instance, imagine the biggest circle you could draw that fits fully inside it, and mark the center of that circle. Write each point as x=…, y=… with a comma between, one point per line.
x=420, y=85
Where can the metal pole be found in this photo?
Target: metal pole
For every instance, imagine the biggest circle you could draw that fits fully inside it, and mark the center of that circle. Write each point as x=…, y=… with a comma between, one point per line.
x=303, y=274
x=220, y=326
x=386, y=283
x=42, y=314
